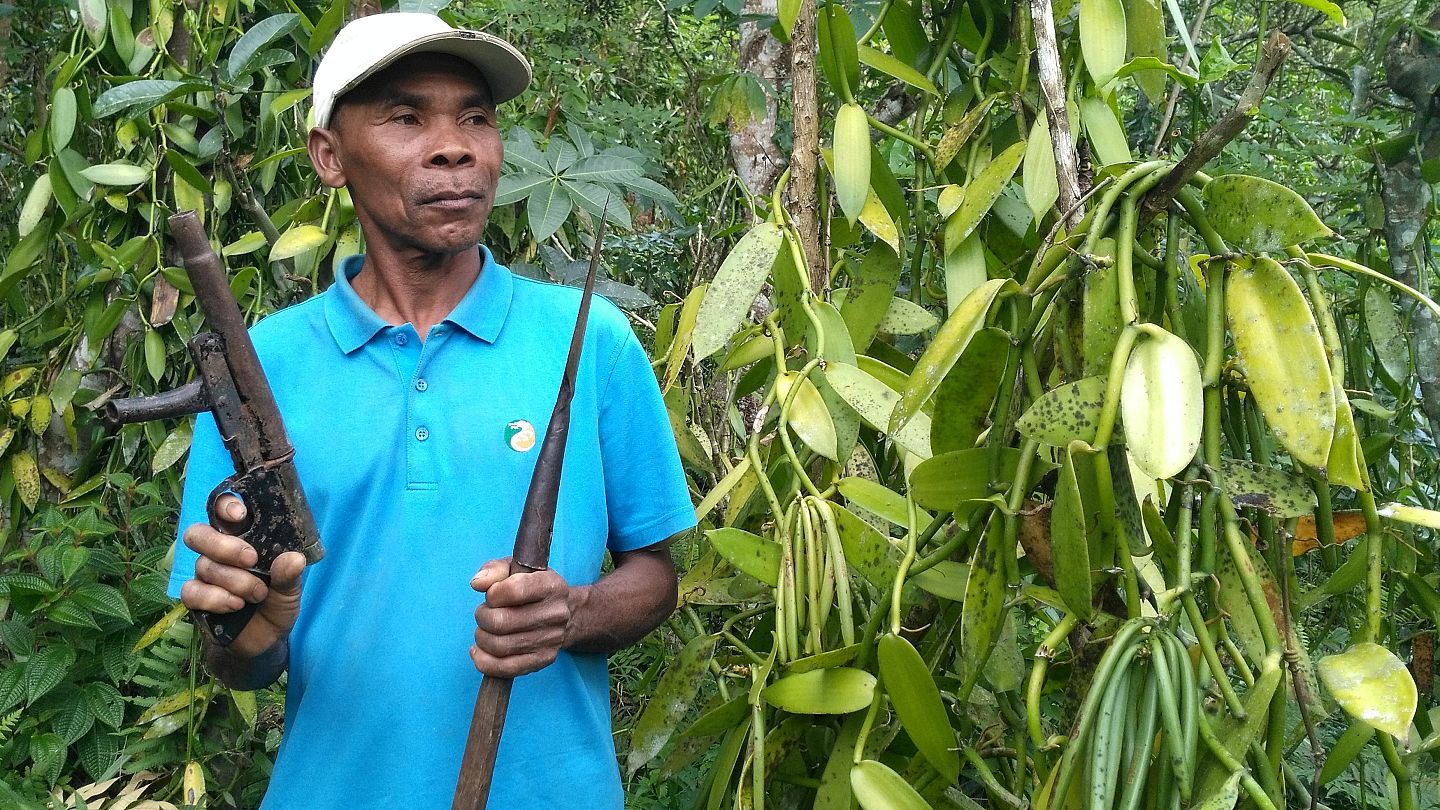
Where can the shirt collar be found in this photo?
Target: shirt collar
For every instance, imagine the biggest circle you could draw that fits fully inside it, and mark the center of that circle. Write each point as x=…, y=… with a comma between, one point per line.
x=481, y=312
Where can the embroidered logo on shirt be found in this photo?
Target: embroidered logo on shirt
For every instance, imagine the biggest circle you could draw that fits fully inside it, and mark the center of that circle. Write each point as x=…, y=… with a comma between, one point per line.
x=520, y=434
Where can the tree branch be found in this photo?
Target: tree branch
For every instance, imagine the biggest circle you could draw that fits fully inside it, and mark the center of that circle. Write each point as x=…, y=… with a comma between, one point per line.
x=1052, y=86
x=1209, y=144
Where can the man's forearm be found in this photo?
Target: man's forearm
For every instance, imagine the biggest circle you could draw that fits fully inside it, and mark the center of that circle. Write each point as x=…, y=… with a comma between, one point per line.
x=245, y=673
x=625, y=605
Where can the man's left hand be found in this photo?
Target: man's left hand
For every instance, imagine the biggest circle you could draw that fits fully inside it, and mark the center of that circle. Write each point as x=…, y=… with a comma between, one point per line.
x=522, y=624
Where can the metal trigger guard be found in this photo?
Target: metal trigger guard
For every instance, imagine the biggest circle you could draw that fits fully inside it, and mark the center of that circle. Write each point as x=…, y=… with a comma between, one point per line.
x=264, y=528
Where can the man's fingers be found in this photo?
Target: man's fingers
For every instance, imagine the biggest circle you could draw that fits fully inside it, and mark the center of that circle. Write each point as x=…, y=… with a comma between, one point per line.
x=510, y=666
x=222, y=548
x=285, y=572
x=489, y=574
x=197, y=595
x=524, y=588
x=237, y=581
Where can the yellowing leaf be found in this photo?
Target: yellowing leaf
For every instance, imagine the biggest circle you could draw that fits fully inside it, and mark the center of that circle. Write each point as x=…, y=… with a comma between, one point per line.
x=876, y=219
x=297, y=240
x=852, y=159
x=1042, y=187
x=1259, y=214
x=877, y=787
x=1372, y=684
x=950, y=341
x=1102, y=38
x=735, y=286
x=875, y=402
x=1284, y=359
x=756, y=556
x=982, y=192
x=27, y=478
x=117, y=174
x=807, y=414
x=37, y=202
x=1161, y=404
x=839, y=690
x=905, y=317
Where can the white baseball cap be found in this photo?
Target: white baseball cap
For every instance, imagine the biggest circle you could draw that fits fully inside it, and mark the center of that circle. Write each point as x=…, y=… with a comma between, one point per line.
x=368, y=45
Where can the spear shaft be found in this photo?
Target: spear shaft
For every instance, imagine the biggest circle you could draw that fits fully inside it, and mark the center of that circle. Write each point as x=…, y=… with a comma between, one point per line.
x=532, y=553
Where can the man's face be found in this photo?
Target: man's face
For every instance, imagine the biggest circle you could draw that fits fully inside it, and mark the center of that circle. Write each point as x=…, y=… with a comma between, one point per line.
x=418, y=147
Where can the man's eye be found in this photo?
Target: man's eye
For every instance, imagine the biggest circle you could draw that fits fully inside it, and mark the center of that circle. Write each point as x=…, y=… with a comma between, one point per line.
x=407, y=118
x=478, y=119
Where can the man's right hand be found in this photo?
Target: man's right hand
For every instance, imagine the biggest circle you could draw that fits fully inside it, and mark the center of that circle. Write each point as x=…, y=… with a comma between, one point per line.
x=223, y=582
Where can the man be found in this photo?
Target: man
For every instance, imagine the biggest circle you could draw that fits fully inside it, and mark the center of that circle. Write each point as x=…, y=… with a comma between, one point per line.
x=413, y=390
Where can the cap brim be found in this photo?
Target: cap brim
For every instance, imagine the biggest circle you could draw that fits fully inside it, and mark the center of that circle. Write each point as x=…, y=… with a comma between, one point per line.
x=505, y=69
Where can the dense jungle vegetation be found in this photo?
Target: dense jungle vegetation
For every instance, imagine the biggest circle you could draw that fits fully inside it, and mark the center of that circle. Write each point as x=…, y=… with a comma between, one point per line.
x=1057, y=382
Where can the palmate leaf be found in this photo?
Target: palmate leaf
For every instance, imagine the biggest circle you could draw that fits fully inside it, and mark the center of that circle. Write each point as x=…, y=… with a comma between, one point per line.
x=547, y=208
x=516, y=187
x=599, y=201
x=599, y=169
x=521, y=152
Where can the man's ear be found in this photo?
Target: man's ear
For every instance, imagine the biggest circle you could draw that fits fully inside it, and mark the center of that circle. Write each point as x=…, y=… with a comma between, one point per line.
x=323, y=146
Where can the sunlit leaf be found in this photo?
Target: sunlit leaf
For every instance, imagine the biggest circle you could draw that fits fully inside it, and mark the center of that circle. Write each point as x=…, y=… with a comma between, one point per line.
x=1259, y=214
x=852, y=159
x=1161, y=404
x=839, y=690
x=1372, y=685
x=735, y=286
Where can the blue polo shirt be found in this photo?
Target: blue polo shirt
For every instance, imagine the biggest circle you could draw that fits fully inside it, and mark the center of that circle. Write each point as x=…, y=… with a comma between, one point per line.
x=414, y=457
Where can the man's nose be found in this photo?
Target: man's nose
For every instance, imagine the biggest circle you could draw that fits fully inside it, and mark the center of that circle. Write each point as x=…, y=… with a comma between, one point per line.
x=450, y=148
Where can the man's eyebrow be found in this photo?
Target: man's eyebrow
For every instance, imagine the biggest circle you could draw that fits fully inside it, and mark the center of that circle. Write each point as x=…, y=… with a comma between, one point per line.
x=401, y=98
x=477, y=100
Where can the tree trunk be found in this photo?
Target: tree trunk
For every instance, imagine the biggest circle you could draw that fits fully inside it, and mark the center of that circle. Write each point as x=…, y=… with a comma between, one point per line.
x=757, y=157
x=804, y=193
x=1413, y=71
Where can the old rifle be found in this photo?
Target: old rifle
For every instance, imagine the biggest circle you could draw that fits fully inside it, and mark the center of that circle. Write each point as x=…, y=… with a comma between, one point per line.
x=532, y=553
x=231, y=385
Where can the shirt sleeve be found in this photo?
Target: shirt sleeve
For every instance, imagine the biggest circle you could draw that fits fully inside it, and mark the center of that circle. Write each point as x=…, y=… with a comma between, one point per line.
x=209, y=464
x=645, y=490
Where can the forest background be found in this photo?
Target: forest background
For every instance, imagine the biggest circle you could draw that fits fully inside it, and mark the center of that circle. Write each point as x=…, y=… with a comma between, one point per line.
x=1055, y=381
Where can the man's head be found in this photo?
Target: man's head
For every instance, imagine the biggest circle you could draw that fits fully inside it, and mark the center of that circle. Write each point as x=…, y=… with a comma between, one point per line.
x=405, y=118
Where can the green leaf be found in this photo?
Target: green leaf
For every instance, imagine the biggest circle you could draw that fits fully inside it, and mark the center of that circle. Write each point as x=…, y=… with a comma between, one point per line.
x=905, y=33
x=1268, y=489
x=872, y=286
x=1259, y=214
x=1102, y=38
x=736, y=284
x=172, y=448
x=905, y=317
x=598, y=200
x=1226, y=796
x=982, y=613
x=603, y=169
x=1345, y=749
x=299, y=239
x=964, y=399
x=1145, y=34
x=62, y=119
x=1387, y=336
x=957, y=135
x=756, y=556
x=117, y=174
x=808, y=416
x=866, y=550
x=187, y=171
x=982, y=192
x=877, y=787
x=154, y=354
x=946, y=579
x=94, y=19
x=916, y=700
x=45, y=670
x=1372, y=685
x=72, y=721
x=547, y=209
x=949, y=481
x=1064, y=414
x=1284, y=359
x=852, y=159
x=1071, y=525
x=876, y=402
x=840, y=690
x=105, y=703
x=672, y=698
x=1042, y=186
x=249, y=243
x=139, y=97
x=37, y=202
x=1144, y=67
x=247, y=51
x=877, y=499
x=1161, y=404
x=949, y=343
x=102, y=599
x=1107, y=136
x=835, y=36
x=515, y=187
x=1329, y=9
x=885, y=63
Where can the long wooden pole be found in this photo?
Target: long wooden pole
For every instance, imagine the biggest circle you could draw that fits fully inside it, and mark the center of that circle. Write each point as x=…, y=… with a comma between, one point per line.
x=532, y=553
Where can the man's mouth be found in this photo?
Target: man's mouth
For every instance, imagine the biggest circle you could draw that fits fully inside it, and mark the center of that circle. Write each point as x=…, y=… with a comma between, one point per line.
x=453, y=199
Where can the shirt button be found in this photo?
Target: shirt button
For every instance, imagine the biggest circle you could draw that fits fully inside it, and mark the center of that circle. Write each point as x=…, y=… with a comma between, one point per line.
x=421, y=385
x=422, y=433
x=401, y=339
